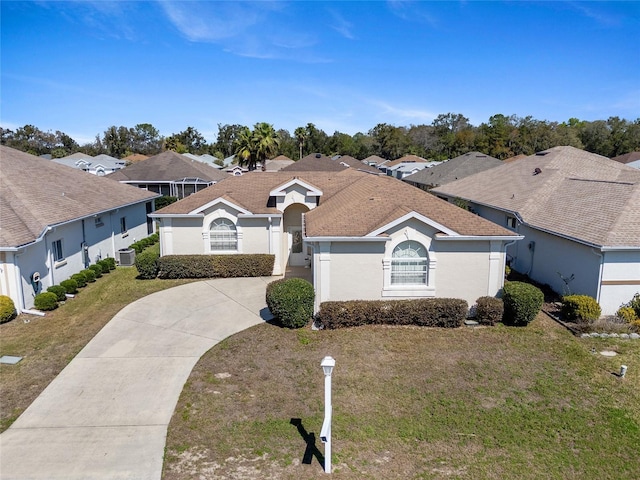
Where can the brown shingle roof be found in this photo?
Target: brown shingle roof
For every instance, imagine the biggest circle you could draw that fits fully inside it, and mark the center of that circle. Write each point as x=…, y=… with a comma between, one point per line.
x=627, y=157
x=406, y=159
x=454, y=169
x=573, y=193
x=352, y=204
x=36, y=193
x=315, y=162
x=168, y=167
x=357, y=164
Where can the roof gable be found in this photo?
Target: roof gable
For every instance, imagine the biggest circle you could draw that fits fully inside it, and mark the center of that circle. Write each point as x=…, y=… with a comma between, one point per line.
x=282, y=190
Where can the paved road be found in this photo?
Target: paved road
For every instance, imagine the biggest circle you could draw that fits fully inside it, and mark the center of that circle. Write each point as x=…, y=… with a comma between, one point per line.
x=106, y=415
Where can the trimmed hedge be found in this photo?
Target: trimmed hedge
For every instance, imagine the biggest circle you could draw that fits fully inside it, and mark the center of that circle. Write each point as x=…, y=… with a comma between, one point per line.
x=216, y=266
x=7, y=309
x=582, y=308
x=291, y=301
x=489, y=310
x=106, y=268
x=147, y=263
x=45, y=301
x=89, y=274
x=111, y=262
x=81, y=278
x=522, y=302
x=140, y=245
x=70, y=285
x=97, y=269
x=59, y=291
x=426, y=312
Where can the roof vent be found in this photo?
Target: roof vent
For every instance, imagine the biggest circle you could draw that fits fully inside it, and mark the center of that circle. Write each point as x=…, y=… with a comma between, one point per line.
x=318, y=155
x=537, y=171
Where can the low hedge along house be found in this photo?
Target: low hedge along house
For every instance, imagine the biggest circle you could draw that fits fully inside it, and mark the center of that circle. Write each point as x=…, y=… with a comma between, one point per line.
x=364, y=236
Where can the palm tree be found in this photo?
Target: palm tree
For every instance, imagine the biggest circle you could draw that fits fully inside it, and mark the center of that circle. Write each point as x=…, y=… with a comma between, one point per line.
x=301, y=134
x=266, y=141
x=245, y=148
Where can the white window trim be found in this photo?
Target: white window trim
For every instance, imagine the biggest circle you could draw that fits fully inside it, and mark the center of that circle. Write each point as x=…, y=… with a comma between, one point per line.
x=206, y=237
x=61, y=261
x=422, y=291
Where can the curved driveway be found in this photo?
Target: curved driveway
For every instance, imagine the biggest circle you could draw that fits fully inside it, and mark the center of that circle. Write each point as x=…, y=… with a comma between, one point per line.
x=106, y=415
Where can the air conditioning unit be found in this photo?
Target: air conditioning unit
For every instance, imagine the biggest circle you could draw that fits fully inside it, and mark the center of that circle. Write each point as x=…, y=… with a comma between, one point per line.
x=126, y=257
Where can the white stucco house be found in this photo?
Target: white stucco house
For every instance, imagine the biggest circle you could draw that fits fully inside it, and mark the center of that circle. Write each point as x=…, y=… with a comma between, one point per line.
x=56, y=220
x=579, y=213
x=99, y=165
x=364, y=236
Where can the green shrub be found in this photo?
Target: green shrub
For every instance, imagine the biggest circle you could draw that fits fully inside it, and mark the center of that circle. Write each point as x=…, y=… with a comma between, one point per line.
x=426, y=312
x=155, y=237
x=59, y=291
x=291, y=301
x=212, y=266
x=581, y=308
x=97, y=269
x=627, y=314
x=164, y=201
x=106, y=268
x=489, y=310
x=522, y=302
x=635, y=304
x=147, y=262
x=70, y=285
x=7, y=309
x=46, y=301
x=89, y=275
x=111, y=262
x=81, y=278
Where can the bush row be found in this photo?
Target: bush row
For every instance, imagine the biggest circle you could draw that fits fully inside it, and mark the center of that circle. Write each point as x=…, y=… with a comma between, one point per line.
x=140, y=245
x=291, y=301
x=428, y=312
x=214, y=266
x=48, y=300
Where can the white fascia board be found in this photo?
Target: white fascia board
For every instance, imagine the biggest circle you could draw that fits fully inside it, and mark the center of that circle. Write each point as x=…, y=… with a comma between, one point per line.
x=346, y=239
x=220, y=200
x=503, y=238
x=175, y=215
x=311, y=190
x=515, y=213
x=260, y=215
x=409, y=216
x=622, y=249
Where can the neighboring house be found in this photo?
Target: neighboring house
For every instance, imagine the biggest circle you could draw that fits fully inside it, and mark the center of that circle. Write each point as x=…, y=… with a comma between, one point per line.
x=169, y=173
x=56, y=220
x=99, y=165
x=134, y=157
x=236, y=170
x=402, y=170
x=205, y=158
x=374, y=160
x=364, y=236
x=579, y=213
x=452, y=170
x=315, y=162
x=631, y=159
x=278, y=163
x=384, y=166
x=349, y=161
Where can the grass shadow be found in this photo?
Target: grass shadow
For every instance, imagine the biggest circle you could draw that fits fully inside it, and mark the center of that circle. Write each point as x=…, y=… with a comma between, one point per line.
x=309, y=438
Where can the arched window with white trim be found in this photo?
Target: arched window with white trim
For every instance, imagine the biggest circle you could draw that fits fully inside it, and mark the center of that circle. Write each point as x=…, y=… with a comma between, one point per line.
x=409, y=264
x=223, y=235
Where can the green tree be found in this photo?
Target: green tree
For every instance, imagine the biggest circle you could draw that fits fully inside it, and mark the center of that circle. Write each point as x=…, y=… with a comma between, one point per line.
x=316, y=139
x=227, y=136
x=146, y=139
x=390, y=142
x=192, y=141
x=253, y=147
x=301, y=135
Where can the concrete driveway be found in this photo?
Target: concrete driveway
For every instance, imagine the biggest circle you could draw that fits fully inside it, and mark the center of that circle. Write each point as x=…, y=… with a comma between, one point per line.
x=106, y=415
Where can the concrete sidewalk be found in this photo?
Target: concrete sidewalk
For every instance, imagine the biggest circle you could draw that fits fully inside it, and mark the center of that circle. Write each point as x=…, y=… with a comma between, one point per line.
x=106, y=415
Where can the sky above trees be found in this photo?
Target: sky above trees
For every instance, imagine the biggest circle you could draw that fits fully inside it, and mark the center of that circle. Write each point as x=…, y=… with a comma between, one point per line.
x=78, y=67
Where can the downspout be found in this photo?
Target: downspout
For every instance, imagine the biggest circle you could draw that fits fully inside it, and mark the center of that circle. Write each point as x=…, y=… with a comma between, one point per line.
x=601, y=268
x=21, y=305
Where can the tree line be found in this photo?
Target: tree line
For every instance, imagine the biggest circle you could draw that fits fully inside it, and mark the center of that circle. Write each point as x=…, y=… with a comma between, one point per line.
x=448, y=136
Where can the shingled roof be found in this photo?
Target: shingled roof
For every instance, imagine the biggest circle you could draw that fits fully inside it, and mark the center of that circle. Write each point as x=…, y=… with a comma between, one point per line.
x=314, y=162
x=454, y=169
x=357, y=164
x=168, y=167
x=353, y=203
x=564, y=190
x=627, y=157
x=36, y=193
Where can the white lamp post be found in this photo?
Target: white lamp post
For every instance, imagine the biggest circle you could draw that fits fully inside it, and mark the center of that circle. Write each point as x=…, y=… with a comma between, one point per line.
x=327, y=365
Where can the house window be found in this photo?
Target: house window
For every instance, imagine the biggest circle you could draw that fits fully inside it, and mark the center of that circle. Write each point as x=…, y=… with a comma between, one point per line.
x=123, y=225
x=58, y=253
x=223, y=235
x=99, y=222
x=409, y=264
x=511, y=222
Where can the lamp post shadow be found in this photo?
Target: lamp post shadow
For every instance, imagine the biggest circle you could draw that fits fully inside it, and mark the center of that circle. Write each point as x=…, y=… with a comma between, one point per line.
x=309, y=438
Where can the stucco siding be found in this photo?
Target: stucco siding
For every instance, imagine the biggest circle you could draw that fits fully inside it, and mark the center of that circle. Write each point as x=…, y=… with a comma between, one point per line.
x=255, y=235
x=620, y=279
x=186, y=236
x=356, y=271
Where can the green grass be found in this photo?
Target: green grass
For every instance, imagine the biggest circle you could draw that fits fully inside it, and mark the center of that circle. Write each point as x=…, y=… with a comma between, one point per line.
x=49, y=343
x=490, y=403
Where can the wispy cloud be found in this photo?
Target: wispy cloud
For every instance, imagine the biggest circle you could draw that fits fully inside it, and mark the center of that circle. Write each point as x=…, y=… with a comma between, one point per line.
x=341, y=25
x=412, y=11
x=402, y=113
x=606, y=19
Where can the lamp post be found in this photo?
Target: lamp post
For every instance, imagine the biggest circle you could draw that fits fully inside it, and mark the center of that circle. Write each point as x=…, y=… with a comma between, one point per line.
x=327, y=365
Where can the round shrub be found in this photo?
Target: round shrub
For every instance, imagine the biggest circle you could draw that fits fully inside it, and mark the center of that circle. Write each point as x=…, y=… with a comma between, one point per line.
x=147, y=263
x=635, y=304
x=522, y=302
x=7, y=309
x=80, y=278
x=111, y=262
x=627, y=314
x=70, y=285
x=291, y=301
x=89, y=275
x=104, y=265
x=59, y=291
x=489, y=310
x=97, y=269
x=581, y=308
x=45, y=301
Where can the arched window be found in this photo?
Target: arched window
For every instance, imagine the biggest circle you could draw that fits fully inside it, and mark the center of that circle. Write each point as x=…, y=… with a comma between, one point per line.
x=409, y=264
x=223, y=235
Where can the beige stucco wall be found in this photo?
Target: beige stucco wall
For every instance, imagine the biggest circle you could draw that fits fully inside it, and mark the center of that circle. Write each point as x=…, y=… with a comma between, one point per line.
x=620, y=279
x=356, y=271
x=255, y=235
x=186, y=236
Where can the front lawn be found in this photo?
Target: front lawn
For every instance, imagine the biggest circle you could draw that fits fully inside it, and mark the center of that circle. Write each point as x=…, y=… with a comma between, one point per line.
x=410, y=402
x=49, y=343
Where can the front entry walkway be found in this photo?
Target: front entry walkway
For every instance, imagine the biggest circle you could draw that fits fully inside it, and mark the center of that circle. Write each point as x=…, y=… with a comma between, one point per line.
x=106, y=415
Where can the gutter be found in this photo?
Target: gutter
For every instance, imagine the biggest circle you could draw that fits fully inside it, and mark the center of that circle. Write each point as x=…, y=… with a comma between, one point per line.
x=513, y=238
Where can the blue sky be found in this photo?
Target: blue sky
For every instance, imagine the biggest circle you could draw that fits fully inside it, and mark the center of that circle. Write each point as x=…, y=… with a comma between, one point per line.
x=80, y=67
